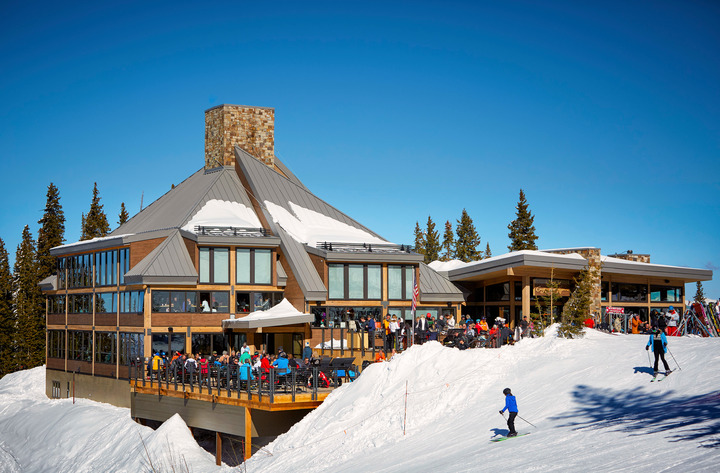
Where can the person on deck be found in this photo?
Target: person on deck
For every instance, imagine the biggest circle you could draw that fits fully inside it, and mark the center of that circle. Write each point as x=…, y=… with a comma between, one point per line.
x=511, y=406
x=421, y=328
x=672, y=321
x=307, y=351
x=524, y=326
x=635, y=324
x=658, y=342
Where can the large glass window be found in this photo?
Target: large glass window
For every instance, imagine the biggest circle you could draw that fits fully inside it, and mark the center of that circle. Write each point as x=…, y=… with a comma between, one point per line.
x=354, y=281
x=338, y=316
x=252, y=301
x=604, y=290
x=105, y=268
x=124, y=263
x=216, y=301
x=80, y=303
x=131, y=302
x=665, y=294
x=206, y=343
x=161, y=301
x=56, y=304
x=56, y=344
x=400, y=282
x=253, y=266
x=61, y=266
x=214, y=265
x=80, y=345
x=518, y=290
x=263, y=267
x=168, y=343
x=242, y=265
x=498, y=292
x=132, y=347
x=623, y=292
x=105, y=302
x=105, y=347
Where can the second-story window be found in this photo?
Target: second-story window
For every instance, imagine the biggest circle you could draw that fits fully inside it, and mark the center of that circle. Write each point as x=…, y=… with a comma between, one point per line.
x=253, y=266
x=214, y=265
x=400, y=282
x=355, y=281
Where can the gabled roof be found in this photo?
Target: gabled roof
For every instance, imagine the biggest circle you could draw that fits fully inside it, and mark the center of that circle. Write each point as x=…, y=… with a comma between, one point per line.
x=437, y=288
x=169, y=263
x=477, y=269
x=180, y=204
x=282, y=314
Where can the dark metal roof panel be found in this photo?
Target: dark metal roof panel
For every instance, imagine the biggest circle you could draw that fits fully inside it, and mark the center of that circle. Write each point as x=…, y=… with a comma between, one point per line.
x=434, y=287
x=169, y=261
x=309, y=280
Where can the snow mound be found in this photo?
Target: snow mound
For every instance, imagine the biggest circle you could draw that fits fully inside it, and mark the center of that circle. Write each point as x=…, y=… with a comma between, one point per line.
x=436, y=408
x=222, y=213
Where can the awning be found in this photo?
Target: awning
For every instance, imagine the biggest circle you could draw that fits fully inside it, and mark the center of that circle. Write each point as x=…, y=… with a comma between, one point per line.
x=282, y=314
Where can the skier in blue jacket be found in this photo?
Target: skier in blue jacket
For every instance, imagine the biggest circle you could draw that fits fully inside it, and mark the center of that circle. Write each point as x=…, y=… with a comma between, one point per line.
x=511, y=406
x=658, y=342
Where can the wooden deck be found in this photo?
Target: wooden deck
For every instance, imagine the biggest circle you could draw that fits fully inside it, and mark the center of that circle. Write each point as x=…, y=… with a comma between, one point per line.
x=281, y=401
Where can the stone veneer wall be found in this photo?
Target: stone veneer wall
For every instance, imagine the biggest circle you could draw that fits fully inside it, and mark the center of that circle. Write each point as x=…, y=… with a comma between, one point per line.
x=251, y=128
x=592, y=255
x=632, y=257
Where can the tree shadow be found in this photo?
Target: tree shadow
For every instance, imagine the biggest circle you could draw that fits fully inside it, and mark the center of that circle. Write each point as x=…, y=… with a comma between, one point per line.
x=695, y=418
x=643, y=369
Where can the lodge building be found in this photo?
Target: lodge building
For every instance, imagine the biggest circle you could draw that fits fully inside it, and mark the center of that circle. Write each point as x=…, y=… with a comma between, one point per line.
x=243, y=233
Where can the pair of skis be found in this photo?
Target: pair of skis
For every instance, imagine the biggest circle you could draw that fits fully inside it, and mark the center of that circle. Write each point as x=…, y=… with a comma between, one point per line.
x=665, y=375
x=500, y=439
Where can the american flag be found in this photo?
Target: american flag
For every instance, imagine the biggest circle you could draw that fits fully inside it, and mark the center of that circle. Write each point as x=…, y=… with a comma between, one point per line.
x=416, y=293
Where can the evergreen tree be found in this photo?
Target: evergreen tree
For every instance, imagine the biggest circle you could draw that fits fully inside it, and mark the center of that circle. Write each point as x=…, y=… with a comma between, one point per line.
x=7, y=315
x=488, y=253
x=432, y=242
x=419, y=240
x=467, y=240
x=699, y=294
x=95, y=223
x=29, y=305
x=545, y=300
x=51, y=232
x=448, y=244
x=522, y=231
x=577, y=308
x=124, y=216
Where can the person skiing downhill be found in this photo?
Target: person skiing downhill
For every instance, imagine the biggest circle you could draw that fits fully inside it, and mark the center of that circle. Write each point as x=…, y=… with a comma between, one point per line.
x=658, y=342
x=511, y=406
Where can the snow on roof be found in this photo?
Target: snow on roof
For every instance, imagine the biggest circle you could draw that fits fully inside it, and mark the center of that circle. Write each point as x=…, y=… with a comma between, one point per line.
x=221, y=213
x=610, y=259
x=92, y=240
x=310, y=227
x=283, y=313
x=456, y=264
x=448, y=265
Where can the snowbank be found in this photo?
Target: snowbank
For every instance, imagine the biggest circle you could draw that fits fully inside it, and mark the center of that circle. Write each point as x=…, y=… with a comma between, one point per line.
x=38, y=434
x=591, y=400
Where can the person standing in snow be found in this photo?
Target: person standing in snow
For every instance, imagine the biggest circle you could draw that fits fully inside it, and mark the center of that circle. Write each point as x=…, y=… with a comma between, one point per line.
x=658, y=342
x=511, y=406
x=672, y=320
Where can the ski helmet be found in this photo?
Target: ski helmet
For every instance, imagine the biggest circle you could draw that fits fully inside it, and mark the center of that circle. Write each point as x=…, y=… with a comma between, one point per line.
x=506, y=391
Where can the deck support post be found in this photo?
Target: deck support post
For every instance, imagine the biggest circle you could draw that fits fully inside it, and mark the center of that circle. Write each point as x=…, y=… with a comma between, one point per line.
x=218, y=449
x=248, y=433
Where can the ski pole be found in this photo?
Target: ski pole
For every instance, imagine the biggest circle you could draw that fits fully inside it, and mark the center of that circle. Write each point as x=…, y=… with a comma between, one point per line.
x=526, y=421
x=648, y=354
x=678, y=365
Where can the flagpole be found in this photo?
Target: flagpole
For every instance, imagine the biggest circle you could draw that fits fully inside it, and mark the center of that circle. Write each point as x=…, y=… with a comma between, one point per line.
x=414, y=303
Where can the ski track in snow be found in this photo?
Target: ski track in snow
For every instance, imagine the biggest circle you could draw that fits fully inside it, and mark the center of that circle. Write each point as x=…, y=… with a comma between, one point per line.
x=591, y=400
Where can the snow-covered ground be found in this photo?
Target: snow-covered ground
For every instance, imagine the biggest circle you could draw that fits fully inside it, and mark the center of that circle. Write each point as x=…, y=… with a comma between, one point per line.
x=591, y=401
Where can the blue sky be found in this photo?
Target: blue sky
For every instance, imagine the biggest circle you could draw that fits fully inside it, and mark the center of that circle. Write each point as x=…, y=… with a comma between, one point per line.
x=608, y=116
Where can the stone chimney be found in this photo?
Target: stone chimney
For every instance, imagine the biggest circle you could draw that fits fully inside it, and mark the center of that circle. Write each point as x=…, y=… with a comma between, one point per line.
x=250, y=128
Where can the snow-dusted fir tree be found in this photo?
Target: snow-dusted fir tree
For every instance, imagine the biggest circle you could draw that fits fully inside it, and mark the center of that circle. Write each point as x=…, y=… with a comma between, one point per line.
x=432, y=242
x=7, y=315
x=448, y=243
x=419, y=239
x=545, y=299
x=577, y=308
x=699, y=294
x=522, y=231
x=123, y=216
x=468, y=239
x=29, y=305
x=51, y=232
x=488, y=253
x=95, y=223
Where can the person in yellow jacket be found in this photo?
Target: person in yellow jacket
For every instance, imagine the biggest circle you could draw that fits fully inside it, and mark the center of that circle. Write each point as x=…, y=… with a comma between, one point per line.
x=157, y=362
x=635, y=323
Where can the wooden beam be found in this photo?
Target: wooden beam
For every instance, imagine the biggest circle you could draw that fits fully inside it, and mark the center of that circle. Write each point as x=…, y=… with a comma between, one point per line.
x=248, y=433
x=218, y=449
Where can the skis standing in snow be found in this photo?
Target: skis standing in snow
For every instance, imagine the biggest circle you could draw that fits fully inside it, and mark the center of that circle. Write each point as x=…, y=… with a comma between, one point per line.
x=658, y=342
x=511, y=406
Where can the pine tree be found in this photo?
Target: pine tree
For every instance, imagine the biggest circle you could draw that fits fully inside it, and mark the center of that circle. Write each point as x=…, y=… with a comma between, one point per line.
x=699, y=294
x=467, y=240
x=7, y=315
x=95, y=223
x=29, y=305
x=488, y=253
x=577, y=308
x=545, y=299
x=432, y=242
x=124, y=216
x=419, y=240
x=522, y=231
x=448, y=244
x=51, y=232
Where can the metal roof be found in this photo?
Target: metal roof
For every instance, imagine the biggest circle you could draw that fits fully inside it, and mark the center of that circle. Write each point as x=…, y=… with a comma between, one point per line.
x=437, y=288
x=176, y=207
x=169, y=263
x=281, y=275
x=514, y=259
x=49, y=283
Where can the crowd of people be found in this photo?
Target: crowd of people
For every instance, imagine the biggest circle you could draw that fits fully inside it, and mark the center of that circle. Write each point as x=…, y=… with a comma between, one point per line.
x=667, y=322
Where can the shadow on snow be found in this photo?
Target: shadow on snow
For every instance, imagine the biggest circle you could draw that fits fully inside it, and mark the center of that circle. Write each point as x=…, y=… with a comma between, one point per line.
x=684, y=418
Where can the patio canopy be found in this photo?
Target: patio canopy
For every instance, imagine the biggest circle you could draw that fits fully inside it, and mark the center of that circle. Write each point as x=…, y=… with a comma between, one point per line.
x=282, y=314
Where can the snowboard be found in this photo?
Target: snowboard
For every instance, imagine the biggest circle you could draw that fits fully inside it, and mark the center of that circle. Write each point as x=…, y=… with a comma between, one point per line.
x=500, y=439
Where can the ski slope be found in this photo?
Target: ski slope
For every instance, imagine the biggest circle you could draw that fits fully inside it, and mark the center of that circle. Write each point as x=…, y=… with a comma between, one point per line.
x=591, y=401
